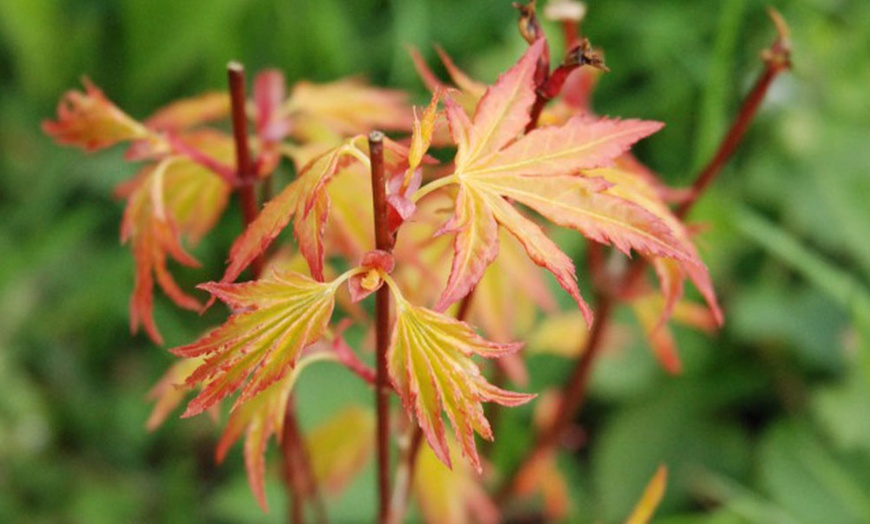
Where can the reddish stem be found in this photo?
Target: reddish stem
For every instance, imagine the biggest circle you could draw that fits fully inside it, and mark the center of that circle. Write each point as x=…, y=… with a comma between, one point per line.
x=246, y=175
x=383, y=241
x=777, y=60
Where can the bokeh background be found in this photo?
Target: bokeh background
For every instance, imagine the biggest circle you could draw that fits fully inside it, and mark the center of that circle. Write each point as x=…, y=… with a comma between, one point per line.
x=770, y=422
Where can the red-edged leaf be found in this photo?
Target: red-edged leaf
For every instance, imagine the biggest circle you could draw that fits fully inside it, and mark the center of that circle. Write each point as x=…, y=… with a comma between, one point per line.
x=540, y=249
x=275, y=319
x=475, y=245
x=169, y=391
x=584, y=205
x=637, y=189
x=503, y=112
x=430, y=365
x=541, y=169
x=581, y=143
x=90, y=121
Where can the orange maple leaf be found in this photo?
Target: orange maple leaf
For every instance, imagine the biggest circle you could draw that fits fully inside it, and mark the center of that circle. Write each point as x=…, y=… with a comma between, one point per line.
x=543, y=170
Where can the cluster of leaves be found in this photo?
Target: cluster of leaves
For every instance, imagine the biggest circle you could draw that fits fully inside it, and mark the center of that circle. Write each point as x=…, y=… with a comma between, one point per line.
x=516, y=168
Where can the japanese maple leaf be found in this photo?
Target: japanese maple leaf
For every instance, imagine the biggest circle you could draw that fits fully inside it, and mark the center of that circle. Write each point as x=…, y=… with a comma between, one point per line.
x=496, y=165
x=276, y=318
x=429, y=362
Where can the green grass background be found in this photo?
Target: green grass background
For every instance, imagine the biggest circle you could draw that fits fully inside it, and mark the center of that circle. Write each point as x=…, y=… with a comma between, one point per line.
x=769, y=423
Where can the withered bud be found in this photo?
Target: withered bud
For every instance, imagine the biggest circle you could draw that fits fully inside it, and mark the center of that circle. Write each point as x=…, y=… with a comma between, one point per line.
x=583, y=55
x=528, y=23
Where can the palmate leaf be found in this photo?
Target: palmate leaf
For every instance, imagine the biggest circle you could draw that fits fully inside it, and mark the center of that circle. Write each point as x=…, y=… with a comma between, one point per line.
x=627, y=185
x=276, y=317
x=542, y=170
x=258, y=419
x=430, y=365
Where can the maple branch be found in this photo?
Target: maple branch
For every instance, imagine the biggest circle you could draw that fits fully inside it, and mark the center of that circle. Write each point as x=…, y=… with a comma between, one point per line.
x=777, y=59
x=383, y=241
x=245, y=174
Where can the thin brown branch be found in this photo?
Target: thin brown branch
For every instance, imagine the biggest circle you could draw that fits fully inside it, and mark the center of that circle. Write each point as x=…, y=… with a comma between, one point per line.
x=383, y=241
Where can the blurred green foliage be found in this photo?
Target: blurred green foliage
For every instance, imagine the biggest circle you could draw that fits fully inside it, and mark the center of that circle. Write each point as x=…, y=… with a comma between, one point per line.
x=770, y=421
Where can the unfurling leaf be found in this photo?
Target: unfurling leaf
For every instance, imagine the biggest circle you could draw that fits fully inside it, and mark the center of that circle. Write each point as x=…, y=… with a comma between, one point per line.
x=430, y=365
x=544, y=170
x=90, y=121
x=274, y=319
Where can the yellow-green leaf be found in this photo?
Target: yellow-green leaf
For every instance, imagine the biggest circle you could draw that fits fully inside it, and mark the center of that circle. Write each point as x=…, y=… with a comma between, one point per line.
x=431, y=369
x=276, y=317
